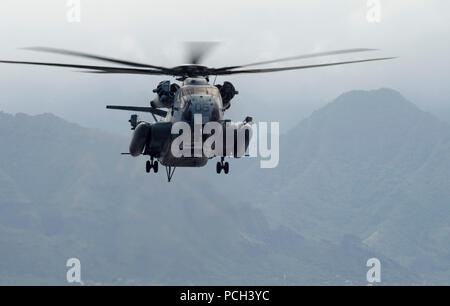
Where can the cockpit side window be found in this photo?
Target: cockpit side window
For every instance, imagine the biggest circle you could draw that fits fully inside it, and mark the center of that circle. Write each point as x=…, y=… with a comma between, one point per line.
x=180, y=102
x=213, y=91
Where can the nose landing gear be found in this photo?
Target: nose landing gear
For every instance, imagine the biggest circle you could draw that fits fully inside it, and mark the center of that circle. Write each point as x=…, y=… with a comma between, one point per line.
x=149, y=165
x=222, y=166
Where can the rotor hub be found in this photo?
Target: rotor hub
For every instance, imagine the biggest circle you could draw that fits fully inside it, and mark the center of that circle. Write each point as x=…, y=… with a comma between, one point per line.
x=191, y=70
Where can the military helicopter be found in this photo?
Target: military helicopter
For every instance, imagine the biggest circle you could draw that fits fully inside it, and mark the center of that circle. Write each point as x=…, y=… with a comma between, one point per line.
x=195, y=98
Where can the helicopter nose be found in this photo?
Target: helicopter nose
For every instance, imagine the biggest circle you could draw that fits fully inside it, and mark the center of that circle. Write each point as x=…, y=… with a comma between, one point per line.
x=197, y=111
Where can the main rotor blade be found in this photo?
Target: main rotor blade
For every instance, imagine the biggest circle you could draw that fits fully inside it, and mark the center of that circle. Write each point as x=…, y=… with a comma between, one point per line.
x=226, y=72
x=92, y=56
x=101, y=69
x=291, y=58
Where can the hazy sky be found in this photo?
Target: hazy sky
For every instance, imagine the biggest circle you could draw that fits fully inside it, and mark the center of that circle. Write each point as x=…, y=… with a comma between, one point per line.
x=418, y=32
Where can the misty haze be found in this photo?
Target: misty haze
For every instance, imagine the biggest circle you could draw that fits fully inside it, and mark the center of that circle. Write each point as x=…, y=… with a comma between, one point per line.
x=364, y=165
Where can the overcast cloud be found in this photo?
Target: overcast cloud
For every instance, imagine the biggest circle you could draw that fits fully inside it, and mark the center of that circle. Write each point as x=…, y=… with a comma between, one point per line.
x=152, y=31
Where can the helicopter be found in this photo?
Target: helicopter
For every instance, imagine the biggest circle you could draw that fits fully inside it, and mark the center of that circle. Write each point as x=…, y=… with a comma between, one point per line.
x=195, y=98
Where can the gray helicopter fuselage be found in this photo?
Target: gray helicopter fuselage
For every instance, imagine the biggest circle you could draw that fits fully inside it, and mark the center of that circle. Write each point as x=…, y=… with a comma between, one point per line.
x=195, y=99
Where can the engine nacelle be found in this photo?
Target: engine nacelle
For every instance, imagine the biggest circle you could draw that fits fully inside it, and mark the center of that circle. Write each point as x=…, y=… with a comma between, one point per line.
x=150, y=138
x=159, y=139
x=165, y=95
x=227, y=91
x=139, y=140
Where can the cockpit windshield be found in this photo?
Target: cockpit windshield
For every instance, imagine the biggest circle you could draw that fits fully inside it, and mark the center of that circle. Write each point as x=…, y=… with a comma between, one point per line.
x=201, y=91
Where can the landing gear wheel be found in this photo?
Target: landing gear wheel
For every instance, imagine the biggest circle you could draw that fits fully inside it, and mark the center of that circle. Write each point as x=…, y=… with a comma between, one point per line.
x=226, y=168
x=218, y=167
x=155, y=167
x=222, y=166
x=148, y=166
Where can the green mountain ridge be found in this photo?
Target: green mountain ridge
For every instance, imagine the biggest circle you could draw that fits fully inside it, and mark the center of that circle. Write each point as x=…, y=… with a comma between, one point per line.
x=66, y=192
x=369, y=164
